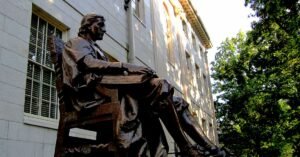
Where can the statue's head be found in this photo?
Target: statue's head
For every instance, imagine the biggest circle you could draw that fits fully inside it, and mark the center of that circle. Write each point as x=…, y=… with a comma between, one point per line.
x=92, y=25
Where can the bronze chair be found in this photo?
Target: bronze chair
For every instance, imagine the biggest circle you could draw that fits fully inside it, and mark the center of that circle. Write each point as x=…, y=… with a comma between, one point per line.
x=103, y=119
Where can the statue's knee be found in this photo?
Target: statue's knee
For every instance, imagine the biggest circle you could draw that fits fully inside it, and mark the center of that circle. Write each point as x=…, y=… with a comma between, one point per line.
x=163, y=87
x=180, y=104
x=164, y=93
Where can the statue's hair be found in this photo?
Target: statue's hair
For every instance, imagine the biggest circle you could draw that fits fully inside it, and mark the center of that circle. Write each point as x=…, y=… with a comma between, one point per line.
x=87, y=21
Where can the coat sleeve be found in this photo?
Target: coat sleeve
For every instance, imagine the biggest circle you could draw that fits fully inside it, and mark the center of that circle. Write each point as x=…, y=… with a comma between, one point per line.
x=88, y=68
x=92, y=64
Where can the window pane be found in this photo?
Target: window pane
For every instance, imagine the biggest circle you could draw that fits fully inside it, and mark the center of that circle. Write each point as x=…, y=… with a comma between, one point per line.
x=29, y=70
x=34, y=106
x=36, y=89
x=32, y=54
x=34, y=21
x=45, y=109
x=46, y=92
x=39, y=55
x=53, y=79
x=58, y=33
x=42, y=26
x=51, y=30
x=40, y=39
x=53, y=94
x=47, y=76
x=53, y=110
x=37, y=72
x=33, y=35
x=27, y=104
x=28, y=87
x=48, y=62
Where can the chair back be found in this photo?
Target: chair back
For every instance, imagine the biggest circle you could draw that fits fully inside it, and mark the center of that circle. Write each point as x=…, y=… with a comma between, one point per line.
x=56, y=47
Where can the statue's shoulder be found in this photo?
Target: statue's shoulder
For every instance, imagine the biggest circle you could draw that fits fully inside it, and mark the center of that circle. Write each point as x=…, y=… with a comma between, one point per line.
x=77, y=48
x=77, y=42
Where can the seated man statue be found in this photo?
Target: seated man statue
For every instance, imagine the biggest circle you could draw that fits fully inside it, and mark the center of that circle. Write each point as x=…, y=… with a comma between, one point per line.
x=146, y=101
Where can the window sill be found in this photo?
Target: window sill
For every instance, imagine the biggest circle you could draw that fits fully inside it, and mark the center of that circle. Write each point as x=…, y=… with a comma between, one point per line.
x=53, y=124
x=171, y=63
x=40, y=121
x=140, y=20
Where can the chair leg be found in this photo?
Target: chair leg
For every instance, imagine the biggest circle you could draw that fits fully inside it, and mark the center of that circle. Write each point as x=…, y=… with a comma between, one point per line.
x=62, y=135
x=116, y=129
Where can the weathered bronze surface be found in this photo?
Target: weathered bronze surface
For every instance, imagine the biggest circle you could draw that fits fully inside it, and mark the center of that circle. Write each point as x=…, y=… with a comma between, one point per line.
x=122, y=102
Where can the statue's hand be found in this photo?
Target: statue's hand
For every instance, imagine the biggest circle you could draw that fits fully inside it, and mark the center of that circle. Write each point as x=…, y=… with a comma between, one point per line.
x=135, y=69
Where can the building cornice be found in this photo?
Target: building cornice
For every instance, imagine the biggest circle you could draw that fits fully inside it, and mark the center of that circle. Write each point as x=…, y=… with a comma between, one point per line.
x=196, y=22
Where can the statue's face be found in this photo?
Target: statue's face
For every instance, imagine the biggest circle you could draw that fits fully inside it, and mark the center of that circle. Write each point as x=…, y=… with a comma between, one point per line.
x=98, y=29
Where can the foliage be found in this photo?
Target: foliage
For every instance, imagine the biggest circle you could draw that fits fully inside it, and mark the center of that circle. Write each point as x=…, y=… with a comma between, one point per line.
x=257, y=77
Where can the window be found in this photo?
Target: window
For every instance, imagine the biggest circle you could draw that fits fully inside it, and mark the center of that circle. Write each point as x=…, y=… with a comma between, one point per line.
x=204, y=126
x=138, y=8
x=198, y=76
x=189, y=64
x=40, y=93
x=168, y=34
x=205, y=84
x=184, y=27
x=204, y=88
x=211, y=131
x=200, y=53
x=201, y=50
x=205, y=92
x=194, y=41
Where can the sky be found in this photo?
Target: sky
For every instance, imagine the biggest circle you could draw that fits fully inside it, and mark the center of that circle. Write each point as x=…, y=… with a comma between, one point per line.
x=222, y=19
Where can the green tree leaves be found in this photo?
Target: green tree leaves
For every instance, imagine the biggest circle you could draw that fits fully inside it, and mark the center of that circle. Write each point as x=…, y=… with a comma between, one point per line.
x=258, y=82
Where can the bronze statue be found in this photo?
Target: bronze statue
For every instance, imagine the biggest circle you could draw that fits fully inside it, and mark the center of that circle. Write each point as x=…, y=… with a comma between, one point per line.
x=145, y=100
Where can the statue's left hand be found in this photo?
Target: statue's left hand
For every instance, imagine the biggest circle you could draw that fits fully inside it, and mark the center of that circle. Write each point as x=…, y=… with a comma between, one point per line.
x=135, y=69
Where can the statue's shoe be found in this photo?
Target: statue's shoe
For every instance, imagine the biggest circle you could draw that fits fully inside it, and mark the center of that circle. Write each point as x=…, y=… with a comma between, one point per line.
x=216, y=152
x=194, y=151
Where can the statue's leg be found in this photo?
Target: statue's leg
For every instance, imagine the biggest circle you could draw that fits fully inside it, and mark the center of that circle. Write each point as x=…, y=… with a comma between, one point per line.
x=157, y=95
x=190, y=125
x=164, y=106
x=193, y=129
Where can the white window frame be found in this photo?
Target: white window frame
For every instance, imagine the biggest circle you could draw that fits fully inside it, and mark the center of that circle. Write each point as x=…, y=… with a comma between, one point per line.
x=38, y=117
